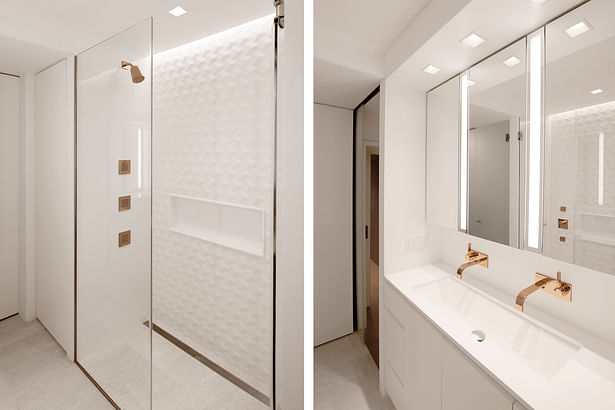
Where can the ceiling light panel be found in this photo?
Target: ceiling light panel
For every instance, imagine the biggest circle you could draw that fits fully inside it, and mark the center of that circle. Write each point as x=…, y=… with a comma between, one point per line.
x=596, y=91
x=538, y=3
x=511, y=61
x=472, y=40
x=177, y=11
x=577, y=29
x=430, y=69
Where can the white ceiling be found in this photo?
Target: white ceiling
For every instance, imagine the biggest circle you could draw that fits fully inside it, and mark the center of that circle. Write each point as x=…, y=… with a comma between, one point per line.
x=387, y=28
x=36, y=33
x=350, y=39
x=498, y=21
x=368, y=23
x=574, y=68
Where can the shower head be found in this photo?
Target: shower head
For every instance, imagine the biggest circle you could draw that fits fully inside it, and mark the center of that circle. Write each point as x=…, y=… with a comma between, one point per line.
x=135, y=72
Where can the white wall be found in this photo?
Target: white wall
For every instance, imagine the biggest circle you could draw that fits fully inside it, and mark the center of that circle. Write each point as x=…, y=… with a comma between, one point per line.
x=402, y=184
x=9, y=195
x=333, y=308
x=54, y=200
x=290, y=212
x=27, y=185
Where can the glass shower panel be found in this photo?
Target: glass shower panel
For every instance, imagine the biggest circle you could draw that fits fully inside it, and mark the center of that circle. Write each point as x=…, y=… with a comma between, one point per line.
x=213, y=245
x=113, y=247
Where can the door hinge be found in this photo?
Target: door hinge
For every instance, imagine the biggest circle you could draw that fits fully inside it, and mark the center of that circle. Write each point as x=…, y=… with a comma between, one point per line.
x=507, y=137
x=366, y=232
x=279, y=12
x=519, y=136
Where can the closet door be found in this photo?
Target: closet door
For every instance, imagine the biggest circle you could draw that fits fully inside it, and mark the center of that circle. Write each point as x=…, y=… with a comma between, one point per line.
x=9, y=195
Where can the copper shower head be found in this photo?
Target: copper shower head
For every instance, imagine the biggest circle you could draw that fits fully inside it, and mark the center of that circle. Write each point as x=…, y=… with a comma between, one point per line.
x=135, y=72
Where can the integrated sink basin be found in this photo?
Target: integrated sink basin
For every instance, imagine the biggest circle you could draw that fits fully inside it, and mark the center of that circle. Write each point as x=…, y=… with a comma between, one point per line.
x=504, y=331
x=538, y=366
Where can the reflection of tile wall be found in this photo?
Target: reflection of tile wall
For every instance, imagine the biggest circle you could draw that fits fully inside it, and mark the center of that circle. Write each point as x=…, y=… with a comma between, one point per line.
x=574, y=178
x=213, y=140
x=559, y=186
x=590, y=122
x=595, y=253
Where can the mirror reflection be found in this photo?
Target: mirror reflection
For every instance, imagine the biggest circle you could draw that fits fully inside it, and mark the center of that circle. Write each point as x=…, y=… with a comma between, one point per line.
x=496, y=111
x=579, y=195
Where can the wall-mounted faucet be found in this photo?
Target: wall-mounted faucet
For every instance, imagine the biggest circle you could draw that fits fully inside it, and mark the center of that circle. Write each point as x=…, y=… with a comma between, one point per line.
x=553, y=286
x=474, y=258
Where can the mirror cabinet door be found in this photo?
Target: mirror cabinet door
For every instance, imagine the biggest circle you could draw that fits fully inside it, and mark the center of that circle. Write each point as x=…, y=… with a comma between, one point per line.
x=496, y=120
x=579, y=180
x=443, y=154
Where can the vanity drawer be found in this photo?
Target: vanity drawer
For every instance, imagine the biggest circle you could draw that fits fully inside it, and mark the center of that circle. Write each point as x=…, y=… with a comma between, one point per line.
x=395, y=303
x=394, y=346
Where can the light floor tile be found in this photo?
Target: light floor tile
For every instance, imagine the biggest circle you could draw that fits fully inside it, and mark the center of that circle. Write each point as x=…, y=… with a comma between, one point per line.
x=35, y=373
x=346, y=377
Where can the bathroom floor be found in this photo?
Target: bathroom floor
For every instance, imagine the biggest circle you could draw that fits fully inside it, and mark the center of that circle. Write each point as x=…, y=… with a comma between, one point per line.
x=346, y=376
x=35, y=373
x=179, y=380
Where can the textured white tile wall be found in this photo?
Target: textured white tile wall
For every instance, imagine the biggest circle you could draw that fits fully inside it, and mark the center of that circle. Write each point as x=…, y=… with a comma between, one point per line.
x=213, y=139
x=572, y=181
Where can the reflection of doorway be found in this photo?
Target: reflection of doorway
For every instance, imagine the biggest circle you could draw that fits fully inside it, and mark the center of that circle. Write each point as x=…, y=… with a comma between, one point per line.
x=372, y=260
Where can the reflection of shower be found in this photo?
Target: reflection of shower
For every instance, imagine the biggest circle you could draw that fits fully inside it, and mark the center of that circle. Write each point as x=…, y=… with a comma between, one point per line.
x=135, y=72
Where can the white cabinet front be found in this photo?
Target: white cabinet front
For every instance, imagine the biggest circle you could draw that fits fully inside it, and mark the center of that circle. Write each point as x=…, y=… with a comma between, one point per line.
x=466, y=387
x=423, y=370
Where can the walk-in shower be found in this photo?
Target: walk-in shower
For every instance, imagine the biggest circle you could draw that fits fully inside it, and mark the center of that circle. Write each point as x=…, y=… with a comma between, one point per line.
x=175, y=212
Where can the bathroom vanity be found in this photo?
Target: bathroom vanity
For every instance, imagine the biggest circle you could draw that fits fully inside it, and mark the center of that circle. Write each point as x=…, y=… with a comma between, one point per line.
x=450, y=346
x=519, y=161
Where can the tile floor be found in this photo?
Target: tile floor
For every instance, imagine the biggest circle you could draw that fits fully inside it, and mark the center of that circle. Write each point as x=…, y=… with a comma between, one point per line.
x=346, y=377
x=36, y=375
x=179, y=380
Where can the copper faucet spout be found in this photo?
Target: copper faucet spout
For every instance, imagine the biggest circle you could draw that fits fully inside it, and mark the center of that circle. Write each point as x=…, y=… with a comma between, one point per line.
x=522, y=296
x=553, y=286
x=478, y=261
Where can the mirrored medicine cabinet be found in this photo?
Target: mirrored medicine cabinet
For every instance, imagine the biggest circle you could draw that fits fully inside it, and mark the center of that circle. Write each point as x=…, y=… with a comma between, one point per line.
x=521, y=146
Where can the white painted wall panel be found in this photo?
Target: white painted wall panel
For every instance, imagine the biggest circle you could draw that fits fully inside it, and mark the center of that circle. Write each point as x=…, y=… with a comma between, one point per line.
x=294, y=98
x=9, y=195
x=333, y=310
x=55, y=202
x=443, y=154
x=402, y=182
x=213, y=141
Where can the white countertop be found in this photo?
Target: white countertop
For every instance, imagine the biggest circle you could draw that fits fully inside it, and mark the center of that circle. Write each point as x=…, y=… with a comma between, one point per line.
x=585, y=381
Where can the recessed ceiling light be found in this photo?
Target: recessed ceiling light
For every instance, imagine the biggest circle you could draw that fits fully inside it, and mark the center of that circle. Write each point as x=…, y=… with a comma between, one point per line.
x=430, y=69
x=511, y=61
x=472, y=40
x=538, y=3
x=178, y=11
x=596, y=91
x=577, y=29
x=470, y=83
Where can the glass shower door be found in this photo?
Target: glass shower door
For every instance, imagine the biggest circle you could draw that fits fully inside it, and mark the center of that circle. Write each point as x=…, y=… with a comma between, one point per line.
x=113, y=222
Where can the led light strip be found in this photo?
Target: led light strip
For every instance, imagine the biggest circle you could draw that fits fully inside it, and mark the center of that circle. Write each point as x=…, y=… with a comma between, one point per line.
x=463, y=199
x=601, y=169
x=535, y=142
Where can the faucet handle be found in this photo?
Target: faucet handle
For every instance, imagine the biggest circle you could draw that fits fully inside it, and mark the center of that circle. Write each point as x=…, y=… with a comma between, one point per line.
x=471, y=253
x=562, y=287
